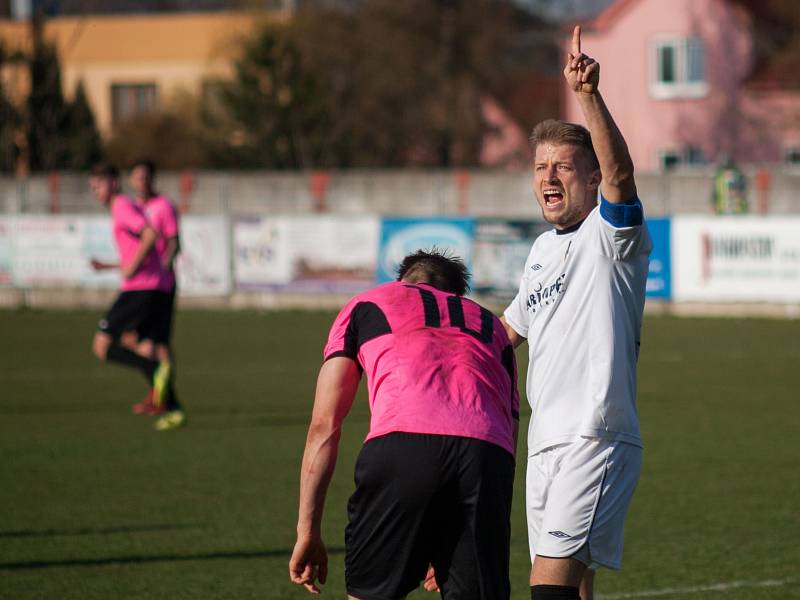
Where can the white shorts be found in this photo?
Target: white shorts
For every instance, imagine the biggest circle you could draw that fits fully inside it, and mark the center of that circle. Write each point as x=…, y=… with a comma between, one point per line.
x=577, y=495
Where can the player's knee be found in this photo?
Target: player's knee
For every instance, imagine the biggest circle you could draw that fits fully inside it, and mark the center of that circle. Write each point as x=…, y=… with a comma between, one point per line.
x=146, y=348
x=129, y=340
x=554, y=592
x=100, y=345
x=162, y=353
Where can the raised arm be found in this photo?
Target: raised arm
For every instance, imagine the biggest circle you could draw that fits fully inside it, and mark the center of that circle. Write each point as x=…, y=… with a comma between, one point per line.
x=583, y=76
x=336, y=388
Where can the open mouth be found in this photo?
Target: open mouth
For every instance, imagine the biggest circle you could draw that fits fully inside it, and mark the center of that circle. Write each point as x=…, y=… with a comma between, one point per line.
x=552, y=197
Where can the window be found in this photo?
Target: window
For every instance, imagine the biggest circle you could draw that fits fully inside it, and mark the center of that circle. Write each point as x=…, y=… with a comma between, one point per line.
x=130, y=100
x=668, y=160
x=666, y=64
x=679, y=68
x=691, y=156
x=791, y=156
x=695, y=61
x=694, y=156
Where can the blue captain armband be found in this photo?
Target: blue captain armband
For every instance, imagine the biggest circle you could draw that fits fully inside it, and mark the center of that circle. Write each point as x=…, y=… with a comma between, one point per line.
x=628, y=214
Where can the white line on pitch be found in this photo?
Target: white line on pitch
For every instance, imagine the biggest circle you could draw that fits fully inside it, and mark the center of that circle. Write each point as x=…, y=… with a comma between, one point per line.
x=714, y=587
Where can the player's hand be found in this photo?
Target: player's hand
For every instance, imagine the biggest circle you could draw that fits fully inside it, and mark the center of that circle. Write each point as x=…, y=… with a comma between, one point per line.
x=309, y=563
x=429, y=583
x=127, y=272
x=582, y=72
x=98, y=265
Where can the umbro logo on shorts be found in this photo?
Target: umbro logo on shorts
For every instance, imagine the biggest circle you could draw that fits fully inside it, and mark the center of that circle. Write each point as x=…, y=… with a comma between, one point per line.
x=536, y=267
x=559, y=534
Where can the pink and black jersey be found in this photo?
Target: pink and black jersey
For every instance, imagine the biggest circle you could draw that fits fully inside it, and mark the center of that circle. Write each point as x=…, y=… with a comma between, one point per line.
x=128, y=221
x=163, y=217
x=436, y=363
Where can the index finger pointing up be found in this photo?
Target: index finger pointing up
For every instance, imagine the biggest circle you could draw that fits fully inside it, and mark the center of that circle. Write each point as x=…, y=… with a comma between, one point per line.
x=576, y=40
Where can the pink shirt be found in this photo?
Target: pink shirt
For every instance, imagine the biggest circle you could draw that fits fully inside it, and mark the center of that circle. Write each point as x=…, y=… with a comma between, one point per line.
x=128, y=222
x=436, y=363
x=163, y=217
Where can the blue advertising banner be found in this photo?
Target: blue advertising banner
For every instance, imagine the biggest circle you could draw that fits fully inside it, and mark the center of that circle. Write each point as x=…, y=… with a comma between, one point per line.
x=659, y=278
x=401, y=236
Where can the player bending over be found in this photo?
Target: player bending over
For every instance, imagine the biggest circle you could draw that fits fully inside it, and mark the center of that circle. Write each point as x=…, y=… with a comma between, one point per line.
x=434, y=477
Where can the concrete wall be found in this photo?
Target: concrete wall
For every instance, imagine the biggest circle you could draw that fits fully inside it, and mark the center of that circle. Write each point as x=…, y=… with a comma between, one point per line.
x=487, y=193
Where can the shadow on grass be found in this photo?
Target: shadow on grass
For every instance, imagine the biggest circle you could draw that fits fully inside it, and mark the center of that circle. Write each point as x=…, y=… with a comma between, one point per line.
x=245, y=421
x=32, y=533
x=255, y=421
x=134, y=559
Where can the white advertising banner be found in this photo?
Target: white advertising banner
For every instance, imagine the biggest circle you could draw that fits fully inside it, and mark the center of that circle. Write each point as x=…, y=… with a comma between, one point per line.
x=736, y=259
x=5, y=251
x=313, y=253
x=49, y=250
x=54, y=250
x=204, y=264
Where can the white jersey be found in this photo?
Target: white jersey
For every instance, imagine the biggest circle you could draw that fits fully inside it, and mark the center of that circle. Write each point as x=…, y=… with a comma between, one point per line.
x=580, y=305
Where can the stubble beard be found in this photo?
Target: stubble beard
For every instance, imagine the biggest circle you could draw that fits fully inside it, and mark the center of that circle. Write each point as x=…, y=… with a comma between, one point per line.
x=568, y=218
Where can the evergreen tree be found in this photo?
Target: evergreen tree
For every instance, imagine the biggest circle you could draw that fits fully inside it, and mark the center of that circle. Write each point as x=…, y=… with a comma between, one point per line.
x=60, y=134
x=275, y=101
x=9, y=121
x=47, y=112
x=84, y=146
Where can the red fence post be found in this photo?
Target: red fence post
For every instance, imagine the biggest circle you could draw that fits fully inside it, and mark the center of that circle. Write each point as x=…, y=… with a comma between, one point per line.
x=318, y=186
x=763, y=184
x=54, y=187
x=186, y=188
x=462, y=190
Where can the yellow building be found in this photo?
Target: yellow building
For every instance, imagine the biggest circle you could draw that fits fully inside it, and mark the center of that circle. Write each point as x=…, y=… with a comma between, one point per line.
x=132, y=64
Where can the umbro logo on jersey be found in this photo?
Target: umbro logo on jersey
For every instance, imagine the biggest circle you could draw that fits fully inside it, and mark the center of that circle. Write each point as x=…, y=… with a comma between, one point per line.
x=559, y=534
x=536, y=267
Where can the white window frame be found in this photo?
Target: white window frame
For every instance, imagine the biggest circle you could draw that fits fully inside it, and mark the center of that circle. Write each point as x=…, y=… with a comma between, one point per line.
x=681, y=87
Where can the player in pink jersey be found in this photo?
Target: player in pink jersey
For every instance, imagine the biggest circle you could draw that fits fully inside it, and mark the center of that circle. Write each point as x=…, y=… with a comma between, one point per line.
x=155, y=340
x=141, y=274
x=434, y=477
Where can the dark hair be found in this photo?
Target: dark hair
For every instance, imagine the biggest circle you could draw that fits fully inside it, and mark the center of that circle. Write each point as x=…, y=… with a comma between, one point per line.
x=147, y=164
x=435, y=267
x=104, y=169
x=561, y=132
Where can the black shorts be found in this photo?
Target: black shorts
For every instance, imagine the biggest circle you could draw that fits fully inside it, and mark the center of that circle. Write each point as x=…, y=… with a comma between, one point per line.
x=429, y=499
x=147, y=312
x=159, y=327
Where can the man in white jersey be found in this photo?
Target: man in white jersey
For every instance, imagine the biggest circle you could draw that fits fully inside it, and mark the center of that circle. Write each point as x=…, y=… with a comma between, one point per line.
x=580, y=307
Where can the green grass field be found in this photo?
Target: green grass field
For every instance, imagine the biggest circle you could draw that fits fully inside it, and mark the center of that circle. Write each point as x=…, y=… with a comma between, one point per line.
x=95, y=504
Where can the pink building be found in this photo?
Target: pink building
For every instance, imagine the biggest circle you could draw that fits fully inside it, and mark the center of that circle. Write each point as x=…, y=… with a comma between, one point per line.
x=679, y=79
